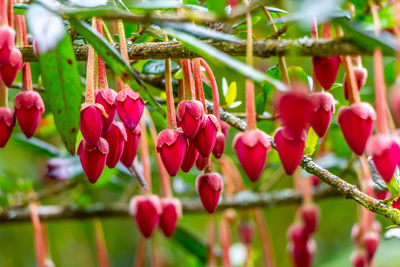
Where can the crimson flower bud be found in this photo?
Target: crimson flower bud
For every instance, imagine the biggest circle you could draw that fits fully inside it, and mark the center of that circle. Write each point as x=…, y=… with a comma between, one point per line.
x=246, y=232
x=190, y=114
x=290, y=149
x=302, y=253
x=225, y=128
x=201, y=162
x=309, y=213
x=116, y=138
x=130, y=108
x=28, y=110
x=91, y=122
x=7, y=122
x=171, y=144
x=371, y=242
x=7, y=38
x=385, y=152
x=93, y=158
x=219, y=146
x=321, y=116
x=209, y=187
x=171, y=212
x=251, y=149
x=296, y=233
x=190, y=156
x=360, y=74
x=356, y=122
x=295, y=108
x=326, y=70
x=358, y=259
x=206, y=135
x=131, y=146
x=8, y=70
x=146, y=210
x=106, y=98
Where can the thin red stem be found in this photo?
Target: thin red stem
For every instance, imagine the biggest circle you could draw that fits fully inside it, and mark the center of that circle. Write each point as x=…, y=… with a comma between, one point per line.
x=100, y=243
x=10, y=13
x=188, y=79
x=380, y=88
x=326, y=31
x=123, y=47
x=3, y=94
x=3, y=12
x=140, y=253
x=22, y=40
x=225, y=241
x=171, y=116
x=37, y=230
x=211, y=259
x=250, y=108
x=214, y=88
x=144, y=154
x=165, y=180
x=199, y=92
x=262, y=229
x=314, y=29
x=156, y=259
x=90, y=83
x=101, y=66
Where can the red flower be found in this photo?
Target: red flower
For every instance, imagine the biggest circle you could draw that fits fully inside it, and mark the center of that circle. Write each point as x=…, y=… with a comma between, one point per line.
x=171, y=212
x=116, y=138
x=91, y=122
x=131, y=146
x=171, y=144
x=93, y=158
x=326, y=70
x=321, y=116
x=9, y=70
x=360, y=74
x=130, y=108
x=146, y=210
x=251, y=149
x=190, y=114
x=106, y=98
x=219, y=146
x=201, y=162
x=190, y=156
x=7, y=38
x=207, y=134
x=209, y=187
x=7, y=122
x=28, y=110
x=356, y=122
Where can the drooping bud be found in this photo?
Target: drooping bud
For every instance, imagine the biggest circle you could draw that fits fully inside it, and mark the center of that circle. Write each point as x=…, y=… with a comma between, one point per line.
x=302, y=253
x=171, y=144
x=201, y=162
x=7, y=38
x=106, y=98
x=130, y=108
x=93, y=158
x=28, y=110
x=323, y=108
x=246, y=232
x=219, y=146
x=251, y=149
x=296, y=233
x=206, y=135
x=7, y=122
x=190, y=114
x=116, y=138
x=225, y=128
x=171, y=212
x=309, y=213
x=358, y=258
x=294, y=109
x=326, y=70
x=371, y=242
x=131, y=146
x=360, y=74
x=356, y=122
x=209, y=187
x=91, y=122
x=146, y=210
x=190, y=156
x=290, y=149
x=9, y=70
x=385, y=152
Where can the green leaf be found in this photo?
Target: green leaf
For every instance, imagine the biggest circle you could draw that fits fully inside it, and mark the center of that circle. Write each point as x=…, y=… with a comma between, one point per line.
x=212, y=54
x=199, y=31
x=157, y=66
x=20, y=9
x=178, y=75
x=311, y=142
x=63, y=94
x=297, y=73
x=217, y=6
x=191, y=242
x=394, y=184
x=367, y=39
x=114, y=60
x=36, y=145
x=231, y=94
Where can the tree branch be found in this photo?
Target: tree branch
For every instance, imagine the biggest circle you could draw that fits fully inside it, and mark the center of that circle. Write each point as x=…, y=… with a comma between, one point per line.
x=262, y=48
x=243, y=200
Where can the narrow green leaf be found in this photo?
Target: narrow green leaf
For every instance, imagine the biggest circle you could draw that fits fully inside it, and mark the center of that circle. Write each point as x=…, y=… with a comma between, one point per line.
x=192, y=243
x=199, y=31
x=311, y=142
x=114, y=60
x=157, y=66
x=20, y=9
x=63, y=94
x=212, y=54
x=36, y=145
x=297, y=73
